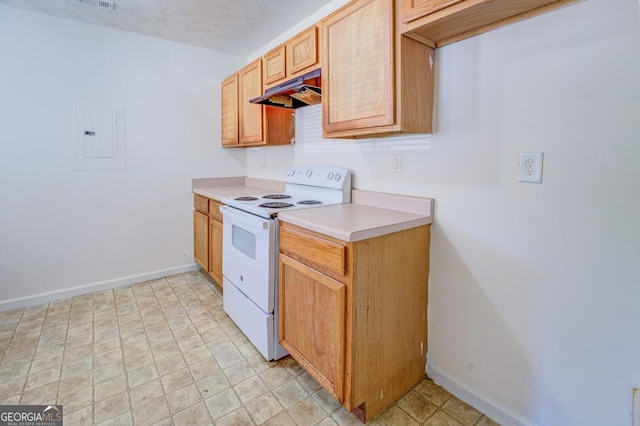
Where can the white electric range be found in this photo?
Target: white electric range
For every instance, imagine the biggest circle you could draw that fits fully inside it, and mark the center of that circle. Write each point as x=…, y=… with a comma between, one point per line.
x=250, y=248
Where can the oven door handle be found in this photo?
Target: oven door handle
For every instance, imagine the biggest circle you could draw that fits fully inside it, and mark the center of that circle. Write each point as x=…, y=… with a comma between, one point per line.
x=245, y=218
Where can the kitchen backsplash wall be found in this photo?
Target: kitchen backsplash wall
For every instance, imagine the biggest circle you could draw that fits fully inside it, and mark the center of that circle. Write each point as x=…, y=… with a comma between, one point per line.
x=533, y=287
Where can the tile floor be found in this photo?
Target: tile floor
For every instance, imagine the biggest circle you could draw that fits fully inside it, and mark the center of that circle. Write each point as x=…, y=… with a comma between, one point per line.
x=164, y=352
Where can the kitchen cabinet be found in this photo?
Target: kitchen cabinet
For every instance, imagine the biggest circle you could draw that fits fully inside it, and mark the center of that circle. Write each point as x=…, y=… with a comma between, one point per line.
x=245, y=124
x=375, y=81
x=229, y=111
x=441, y=22
x=297, y=56
x=215, y=241
x=207, y=236
x=354, y=314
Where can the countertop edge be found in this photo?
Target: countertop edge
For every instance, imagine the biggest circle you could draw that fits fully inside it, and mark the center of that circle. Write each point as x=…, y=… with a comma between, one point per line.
x=361, y=235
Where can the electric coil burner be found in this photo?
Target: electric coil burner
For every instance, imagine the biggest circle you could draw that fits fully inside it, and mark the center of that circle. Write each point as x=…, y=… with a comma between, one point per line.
x=250, y=248
x=276, y=196
x=276, y=205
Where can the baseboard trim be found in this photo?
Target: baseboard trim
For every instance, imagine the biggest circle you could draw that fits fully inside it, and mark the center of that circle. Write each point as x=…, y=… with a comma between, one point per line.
x=40, y=298
x=491, y=409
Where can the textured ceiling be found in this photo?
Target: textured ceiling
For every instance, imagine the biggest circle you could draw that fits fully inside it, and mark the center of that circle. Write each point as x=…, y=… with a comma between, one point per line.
x=234, y=26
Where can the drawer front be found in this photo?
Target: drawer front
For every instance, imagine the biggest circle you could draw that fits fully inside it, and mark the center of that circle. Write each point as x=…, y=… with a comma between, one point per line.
x=201, y=203
x=214, y=210
x=319, y=252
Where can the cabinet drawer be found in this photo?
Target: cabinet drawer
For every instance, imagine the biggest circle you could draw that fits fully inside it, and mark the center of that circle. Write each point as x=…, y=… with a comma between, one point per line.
x=322, y=253
x=214, y=210
x=200, y=203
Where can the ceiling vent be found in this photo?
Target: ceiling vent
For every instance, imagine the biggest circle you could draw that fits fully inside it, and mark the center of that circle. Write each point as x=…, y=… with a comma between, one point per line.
x=105, y=4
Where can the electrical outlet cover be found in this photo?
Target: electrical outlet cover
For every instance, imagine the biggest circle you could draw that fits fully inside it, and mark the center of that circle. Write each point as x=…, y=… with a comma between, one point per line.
x=530, y=167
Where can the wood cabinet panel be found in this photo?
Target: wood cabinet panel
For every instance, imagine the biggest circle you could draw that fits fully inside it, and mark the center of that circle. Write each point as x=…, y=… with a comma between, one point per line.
x=251, y=120
x=414, y=9
x=214, y=210
x=229, y=111
x=215, y=250
x=312, y=310
x=377, y=82
x=358, y=66
x=320, y=252
x=452, y=21
x=201, y=239
x=201, y=203
x=274, y=65
x=302, y=51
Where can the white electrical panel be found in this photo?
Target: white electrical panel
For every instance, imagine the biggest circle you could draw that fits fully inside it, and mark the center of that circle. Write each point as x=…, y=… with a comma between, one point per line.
x=99, y=138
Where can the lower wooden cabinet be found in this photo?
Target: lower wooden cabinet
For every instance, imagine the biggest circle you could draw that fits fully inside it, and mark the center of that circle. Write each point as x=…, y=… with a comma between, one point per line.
x=354, y=314
x=207, y=236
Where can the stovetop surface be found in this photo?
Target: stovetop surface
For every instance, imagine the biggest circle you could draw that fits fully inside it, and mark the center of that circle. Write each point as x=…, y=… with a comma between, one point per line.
x=306, y=186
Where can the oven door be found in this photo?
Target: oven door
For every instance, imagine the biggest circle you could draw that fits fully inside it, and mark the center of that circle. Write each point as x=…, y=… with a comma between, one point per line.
x=249, y=258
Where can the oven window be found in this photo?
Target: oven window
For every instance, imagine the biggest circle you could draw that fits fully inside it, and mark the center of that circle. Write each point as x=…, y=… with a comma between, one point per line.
x=244, y=241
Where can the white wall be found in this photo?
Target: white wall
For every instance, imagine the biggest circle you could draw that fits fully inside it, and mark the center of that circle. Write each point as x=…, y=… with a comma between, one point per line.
x=60, y=228
x=534, y=289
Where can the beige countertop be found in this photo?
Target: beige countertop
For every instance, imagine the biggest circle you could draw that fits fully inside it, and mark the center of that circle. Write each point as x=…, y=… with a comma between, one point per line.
x=356, y=222
x=220, y=188
x=368, y=216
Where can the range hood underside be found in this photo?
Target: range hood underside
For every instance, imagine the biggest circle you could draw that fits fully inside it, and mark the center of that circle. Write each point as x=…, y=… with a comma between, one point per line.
x=298, y=92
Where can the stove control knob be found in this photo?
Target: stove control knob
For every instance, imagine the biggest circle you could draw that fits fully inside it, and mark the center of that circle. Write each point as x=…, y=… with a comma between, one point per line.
x=338, y=176
x=330, y=175
x=309, y=173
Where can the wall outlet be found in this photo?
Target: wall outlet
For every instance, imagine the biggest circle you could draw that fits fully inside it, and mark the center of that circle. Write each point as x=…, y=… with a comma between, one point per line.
x=397, y=163
x=530, y=167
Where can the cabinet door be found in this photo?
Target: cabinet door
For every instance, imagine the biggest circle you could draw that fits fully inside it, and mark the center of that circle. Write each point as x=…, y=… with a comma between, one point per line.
x=414, y=9
x=229, y=111
x=302, y=51
x=358, y=66
x=274, y=65
x=312, y=322
x=215, y=250
x=251, y=115
x=201, y=239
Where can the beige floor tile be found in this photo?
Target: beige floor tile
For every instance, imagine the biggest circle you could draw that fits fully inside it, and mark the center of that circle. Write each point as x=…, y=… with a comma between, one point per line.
x=164, y=352
x=250, y=389
x=170, y=364
x=183, y=398
x=109, y=388
x=111, y=407
x=146, y=392
x=395, y=416
x=142, y=375
x=43, y=395
x=176, y=380
x=434, y=393
x=306, y=412
x=195, y=415
x=440, y=418
x=289, y=393
x=462, y=412
x=417, y=406
x=152, y=411
x=222, y=404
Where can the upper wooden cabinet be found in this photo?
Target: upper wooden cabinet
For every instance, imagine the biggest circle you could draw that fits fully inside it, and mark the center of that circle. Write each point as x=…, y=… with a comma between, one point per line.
x=414, y=9
x=229, y=111
x=441, y=22
x=374, y=80
x=251, y=117
x=297, y=56
x=246, y=124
